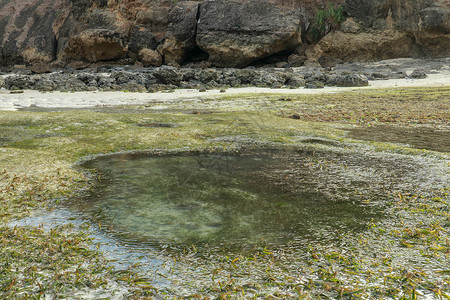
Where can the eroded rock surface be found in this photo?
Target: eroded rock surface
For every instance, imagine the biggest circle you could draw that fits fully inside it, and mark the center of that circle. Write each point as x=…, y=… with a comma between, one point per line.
x=95, y=45
x=42, y=34
x=383, y=29
x=236, y=33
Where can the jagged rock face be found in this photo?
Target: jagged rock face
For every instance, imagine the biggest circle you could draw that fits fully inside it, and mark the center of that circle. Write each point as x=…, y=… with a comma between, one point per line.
x=141, y=38
x=142, y=22
x=390, y=29
x=28, y=30
x=180, y=38
x=236, y=33
x=232, y=33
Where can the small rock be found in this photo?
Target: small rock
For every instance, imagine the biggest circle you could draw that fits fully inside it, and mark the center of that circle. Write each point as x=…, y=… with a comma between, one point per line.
x=296, y=60
x=418, y=74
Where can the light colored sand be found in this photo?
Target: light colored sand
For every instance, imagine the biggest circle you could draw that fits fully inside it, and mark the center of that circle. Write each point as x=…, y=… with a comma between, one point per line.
x=91, y=99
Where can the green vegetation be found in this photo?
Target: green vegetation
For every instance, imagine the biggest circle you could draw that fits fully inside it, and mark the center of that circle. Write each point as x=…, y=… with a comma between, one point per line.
x=38, y=151
x=326, y=20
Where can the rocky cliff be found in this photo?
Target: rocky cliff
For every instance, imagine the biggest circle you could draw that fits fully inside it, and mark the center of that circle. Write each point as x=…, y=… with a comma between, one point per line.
x=222, y=33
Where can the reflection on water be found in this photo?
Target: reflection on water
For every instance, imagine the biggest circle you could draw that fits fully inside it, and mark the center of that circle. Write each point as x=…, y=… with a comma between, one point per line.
x=234, y=200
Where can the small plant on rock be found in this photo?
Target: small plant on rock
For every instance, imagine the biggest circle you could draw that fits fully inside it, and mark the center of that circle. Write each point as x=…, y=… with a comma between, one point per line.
x=327, y=20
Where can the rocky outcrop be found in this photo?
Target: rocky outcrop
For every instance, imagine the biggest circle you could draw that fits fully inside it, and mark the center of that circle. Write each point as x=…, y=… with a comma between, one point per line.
x=383, y=29
x=95, y=45
x=28, y=30
x=236, y=33
x=366, y=46
x=225, y=33
x=141, y=38
x=433, y=35
x=180, y=38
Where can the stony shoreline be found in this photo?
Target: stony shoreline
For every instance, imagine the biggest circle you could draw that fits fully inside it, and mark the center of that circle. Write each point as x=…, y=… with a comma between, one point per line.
x=133, y=79
x=160, y=86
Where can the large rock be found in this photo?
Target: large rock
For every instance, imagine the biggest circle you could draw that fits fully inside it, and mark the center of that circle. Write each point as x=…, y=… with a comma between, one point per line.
x=180, y=38
x=384, y=29
x=434, y=29
x=95, y=45
x=236, y=33
x=366, y=46
x=392, y=29
x=142, y=22
x=28, y=30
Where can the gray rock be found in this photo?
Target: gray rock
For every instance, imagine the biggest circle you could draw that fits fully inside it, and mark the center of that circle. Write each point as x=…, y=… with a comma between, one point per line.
x=45, y=85
x=208, y=75
x=314, y=85
x=351, y=80
x=19, y=82
x=296, y=60
x=418, y=74
x=168, y=75
x=141, y=38
x=71, y=85
x=236, y=33
x=296, y=80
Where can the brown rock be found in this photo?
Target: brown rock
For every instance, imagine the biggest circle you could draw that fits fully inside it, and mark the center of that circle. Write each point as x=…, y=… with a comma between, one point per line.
x=365, y=46
x=40, y=68
x=150, y=57
x=96, y=45
x=28, y=30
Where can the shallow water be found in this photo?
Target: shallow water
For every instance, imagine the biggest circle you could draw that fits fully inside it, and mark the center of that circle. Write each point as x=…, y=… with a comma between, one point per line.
x=184, y=216
x=235, y=201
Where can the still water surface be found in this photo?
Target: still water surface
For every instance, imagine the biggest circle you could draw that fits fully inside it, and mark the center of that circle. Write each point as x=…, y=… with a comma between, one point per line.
x=236, y=200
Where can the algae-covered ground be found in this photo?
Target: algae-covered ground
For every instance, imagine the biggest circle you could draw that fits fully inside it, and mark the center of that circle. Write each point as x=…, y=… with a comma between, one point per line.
x=404, y=255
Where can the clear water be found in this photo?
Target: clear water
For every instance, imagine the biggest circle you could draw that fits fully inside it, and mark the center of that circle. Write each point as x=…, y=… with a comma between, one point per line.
x=231, y=200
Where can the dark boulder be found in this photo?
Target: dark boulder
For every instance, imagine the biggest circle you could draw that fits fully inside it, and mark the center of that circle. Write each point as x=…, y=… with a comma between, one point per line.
x=180, y=36
x=349, y=80
x=141, y=38
x=236, y=33
x=168, y=75
x=28, y=30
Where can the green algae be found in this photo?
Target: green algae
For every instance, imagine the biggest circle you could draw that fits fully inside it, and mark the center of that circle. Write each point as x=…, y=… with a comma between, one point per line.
x=404, y=257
